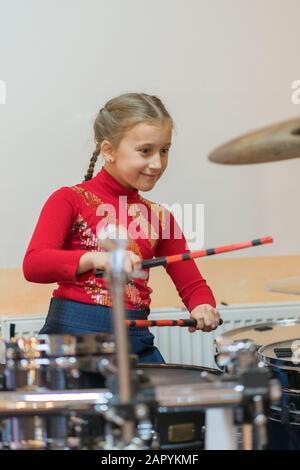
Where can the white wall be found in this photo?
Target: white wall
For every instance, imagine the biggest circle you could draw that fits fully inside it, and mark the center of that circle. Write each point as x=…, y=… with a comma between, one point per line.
x=222, y=67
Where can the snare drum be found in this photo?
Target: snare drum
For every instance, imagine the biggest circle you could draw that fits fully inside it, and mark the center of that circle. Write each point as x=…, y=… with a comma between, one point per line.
x=261, y=334
x=283, y=426
x=54, y=362
x=178, y=427
x=66, y=362
x=265, y=333
x=283, y=359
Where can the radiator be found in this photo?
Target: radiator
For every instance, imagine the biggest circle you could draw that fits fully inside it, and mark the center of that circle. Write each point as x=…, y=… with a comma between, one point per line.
x=176, y=344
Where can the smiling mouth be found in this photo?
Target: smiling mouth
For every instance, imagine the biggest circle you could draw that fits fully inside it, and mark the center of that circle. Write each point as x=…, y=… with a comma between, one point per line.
x=150, y=176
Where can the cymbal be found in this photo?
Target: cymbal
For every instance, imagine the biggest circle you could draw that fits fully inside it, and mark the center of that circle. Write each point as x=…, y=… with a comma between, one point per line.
x=290, y=285
x=269, y=144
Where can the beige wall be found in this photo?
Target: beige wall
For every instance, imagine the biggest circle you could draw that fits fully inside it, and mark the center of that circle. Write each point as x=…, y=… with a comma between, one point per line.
x=222, y=67
x=213, y=64
x=233, y=281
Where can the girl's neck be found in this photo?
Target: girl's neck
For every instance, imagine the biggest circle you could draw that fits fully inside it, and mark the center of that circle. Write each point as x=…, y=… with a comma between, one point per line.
x=110, y=169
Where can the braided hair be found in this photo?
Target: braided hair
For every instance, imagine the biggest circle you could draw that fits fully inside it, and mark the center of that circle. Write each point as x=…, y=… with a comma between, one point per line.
x=93, y=160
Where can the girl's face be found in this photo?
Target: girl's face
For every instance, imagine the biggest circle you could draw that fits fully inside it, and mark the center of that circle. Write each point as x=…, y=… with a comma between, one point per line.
x=141, y=157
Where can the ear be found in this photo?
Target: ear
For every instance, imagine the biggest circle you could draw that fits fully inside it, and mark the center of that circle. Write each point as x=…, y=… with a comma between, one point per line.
x=106, y=150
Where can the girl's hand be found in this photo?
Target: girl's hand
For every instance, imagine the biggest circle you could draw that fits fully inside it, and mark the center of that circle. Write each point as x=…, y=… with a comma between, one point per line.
x=93, y=260
x=101, y=261
x=207, y=318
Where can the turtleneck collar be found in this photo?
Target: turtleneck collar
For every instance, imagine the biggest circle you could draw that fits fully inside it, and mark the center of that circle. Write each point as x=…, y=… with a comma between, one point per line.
x=105, y=181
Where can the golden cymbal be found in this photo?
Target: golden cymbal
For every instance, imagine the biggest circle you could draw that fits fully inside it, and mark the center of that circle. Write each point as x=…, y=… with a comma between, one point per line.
x=290, y=285
x=269, y=144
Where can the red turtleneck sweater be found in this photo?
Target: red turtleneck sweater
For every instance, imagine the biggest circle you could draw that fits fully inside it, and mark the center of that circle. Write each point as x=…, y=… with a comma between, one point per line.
x=67, y=229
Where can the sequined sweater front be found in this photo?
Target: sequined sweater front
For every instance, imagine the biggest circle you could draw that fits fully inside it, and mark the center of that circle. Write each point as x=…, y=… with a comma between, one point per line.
x=68, y=226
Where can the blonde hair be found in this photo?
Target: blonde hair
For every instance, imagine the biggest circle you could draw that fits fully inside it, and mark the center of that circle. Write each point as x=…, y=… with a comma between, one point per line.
x=122, y=113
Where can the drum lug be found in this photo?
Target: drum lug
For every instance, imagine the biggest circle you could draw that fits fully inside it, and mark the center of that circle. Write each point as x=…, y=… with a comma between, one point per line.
x=286, y=413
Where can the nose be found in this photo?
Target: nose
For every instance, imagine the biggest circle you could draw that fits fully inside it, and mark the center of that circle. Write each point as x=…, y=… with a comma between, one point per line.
x=155, y=163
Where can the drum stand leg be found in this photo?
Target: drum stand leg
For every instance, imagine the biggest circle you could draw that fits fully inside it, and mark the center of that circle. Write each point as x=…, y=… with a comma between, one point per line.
x=247, y=436
x=125, y=397
x=260, y=422
x=220, y=430
x=255, y=433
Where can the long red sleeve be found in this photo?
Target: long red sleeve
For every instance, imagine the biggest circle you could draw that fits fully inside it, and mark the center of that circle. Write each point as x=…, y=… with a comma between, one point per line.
x=46, y=260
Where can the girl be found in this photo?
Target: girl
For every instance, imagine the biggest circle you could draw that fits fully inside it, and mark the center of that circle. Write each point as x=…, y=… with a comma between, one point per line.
x=133, y=134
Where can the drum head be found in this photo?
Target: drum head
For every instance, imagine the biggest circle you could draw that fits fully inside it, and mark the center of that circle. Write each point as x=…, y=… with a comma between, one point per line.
x=282, y=354
x=265, y=333
x=176, y=374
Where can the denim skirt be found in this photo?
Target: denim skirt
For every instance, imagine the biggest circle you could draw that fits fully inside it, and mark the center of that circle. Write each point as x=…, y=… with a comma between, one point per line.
x=74, y=318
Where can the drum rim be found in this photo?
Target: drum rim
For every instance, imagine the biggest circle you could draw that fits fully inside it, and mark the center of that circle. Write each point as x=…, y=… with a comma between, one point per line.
x=61, y=345
x=276, y=412
x=176, y=366
x=285, y=322
x=277, y=362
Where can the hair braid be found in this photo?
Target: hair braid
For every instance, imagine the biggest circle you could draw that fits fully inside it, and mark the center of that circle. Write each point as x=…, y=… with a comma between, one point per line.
x=90, y=171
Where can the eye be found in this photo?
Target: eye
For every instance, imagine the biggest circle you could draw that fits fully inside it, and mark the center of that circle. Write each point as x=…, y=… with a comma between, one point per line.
x=165, y=151
x=145, y=151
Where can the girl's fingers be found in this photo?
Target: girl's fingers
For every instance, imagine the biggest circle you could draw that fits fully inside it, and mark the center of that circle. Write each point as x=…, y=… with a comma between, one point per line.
x=207, y=319
x=132, y=262
x=135, y=260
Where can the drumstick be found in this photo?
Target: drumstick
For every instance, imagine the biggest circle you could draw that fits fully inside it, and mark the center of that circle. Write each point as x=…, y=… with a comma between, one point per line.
x=149, y=323
x=166, y=260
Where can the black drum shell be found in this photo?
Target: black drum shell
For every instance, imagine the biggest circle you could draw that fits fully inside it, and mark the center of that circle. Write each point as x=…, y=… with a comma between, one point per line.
x=177, y=427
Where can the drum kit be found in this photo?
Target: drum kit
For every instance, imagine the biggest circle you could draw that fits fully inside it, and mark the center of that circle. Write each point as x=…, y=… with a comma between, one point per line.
x=278, y=348
x=89, y=392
